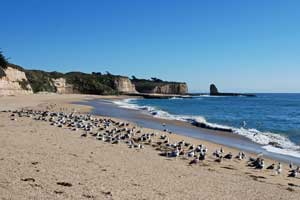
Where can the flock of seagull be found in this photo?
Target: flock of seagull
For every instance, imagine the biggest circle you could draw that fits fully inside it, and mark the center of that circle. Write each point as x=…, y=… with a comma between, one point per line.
x=114, y=132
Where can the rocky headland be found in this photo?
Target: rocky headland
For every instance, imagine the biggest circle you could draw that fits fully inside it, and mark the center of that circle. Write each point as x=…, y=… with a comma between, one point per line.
x=215, y=92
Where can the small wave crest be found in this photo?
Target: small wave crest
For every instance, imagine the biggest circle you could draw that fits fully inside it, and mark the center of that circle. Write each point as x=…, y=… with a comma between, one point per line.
x=174, y=98
x=271, y=142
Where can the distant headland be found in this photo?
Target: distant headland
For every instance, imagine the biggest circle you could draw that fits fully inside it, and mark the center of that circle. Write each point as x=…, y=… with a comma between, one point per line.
x=215, y=92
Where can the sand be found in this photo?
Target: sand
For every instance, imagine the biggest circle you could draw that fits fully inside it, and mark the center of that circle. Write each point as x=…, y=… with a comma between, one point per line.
x=39, y=161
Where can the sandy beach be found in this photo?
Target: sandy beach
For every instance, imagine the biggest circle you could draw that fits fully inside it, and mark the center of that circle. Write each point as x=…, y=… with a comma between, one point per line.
x=40, y=161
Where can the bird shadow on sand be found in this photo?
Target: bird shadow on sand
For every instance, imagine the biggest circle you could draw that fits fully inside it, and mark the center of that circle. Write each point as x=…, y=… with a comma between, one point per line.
x=258, y=178
x=229, y=167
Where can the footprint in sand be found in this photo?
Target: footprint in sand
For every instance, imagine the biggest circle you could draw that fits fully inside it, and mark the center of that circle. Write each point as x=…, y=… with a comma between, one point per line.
x=28, y=179
x=58, y=192
x=66, y=184
x=230, y=168
x=107, y=193
x=257, y=178
x=290, y=189
x=88, y=196
x=293, y=185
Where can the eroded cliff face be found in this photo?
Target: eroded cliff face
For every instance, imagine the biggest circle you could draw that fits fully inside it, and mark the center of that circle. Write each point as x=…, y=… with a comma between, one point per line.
x=172, y=88
x=14, y=82
x=62, y=87
x=124, y=85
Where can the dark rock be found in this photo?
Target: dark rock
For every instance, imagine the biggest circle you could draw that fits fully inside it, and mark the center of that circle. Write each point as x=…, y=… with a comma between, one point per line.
x=213, y=89
x=275, y=144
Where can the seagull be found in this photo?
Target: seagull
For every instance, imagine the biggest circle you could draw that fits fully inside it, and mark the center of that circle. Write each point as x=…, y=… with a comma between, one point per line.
x=217, y=154
x=239, y=156
x=291, y=165
x=202, y=156
x=175, y=153
x=221, y=150
x=228, y=156
x=279, y=169
x=191, y=154
x=260, y=164
x=83, y=135
x=243, y=155
x=219, y=160
x=294, y=173
x=194, y=161
x=271, y=167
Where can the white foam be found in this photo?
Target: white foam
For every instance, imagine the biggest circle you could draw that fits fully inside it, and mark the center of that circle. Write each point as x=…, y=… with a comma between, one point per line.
x=286, y=147
x=288, y=152
x=126, y=104
x=174, y=98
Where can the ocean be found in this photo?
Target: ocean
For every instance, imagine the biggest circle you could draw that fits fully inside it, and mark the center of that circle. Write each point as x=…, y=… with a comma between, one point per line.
x=271, y=120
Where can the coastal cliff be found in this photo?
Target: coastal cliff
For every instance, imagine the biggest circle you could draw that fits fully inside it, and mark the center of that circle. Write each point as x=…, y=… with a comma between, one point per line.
x=13, y=82
x=124, y=85
x=158, y=86
x=62, y=87
x=171, y=88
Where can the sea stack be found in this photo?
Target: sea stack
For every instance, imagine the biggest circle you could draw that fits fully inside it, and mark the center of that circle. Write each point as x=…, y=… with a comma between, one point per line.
x=213, y=90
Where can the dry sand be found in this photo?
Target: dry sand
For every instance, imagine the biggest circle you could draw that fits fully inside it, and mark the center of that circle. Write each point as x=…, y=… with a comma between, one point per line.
x=35, y=157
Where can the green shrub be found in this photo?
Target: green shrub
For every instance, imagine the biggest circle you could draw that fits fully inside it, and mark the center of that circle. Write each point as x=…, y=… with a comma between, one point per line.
x=95, y=83
x=3, y=61
x=2, y=72
x=3, y=64
x=40, y=81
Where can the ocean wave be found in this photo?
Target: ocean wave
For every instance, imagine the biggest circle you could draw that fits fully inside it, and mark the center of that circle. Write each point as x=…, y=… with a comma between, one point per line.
x=174, y=98
x=126, y=104
x=219, y=96
x=288, y=152
x=271, y=142
x=210, y=96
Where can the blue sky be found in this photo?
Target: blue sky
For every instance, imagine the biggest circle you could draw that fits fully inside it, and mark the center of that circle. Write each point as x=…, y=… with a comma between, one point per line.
x=248, y=45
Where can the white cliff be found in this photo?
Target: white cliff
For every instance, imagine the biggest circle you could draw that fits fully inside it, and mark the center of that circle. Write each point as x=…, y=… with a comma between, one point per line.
x=14, y=82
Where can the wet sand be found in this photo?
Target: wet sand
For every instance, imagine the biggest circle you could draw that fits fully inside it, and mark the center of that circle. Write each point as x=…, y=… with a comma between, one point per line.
x=39, y=161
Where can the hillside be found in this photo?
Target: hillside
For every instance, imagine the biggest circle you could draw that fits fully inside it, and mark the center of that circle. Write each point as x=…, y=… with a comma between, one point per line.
x=81, y=82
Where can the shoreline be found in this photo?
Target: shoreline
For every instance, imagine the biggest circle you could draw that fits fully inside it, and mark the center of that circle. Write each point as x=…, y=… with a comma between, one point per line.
x=39, y=159
x=184, y=128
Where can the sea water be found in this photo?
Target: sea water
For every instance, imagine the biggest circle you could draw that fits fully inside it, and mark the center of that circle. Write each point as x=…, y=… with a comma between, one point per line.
x=271, y=120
